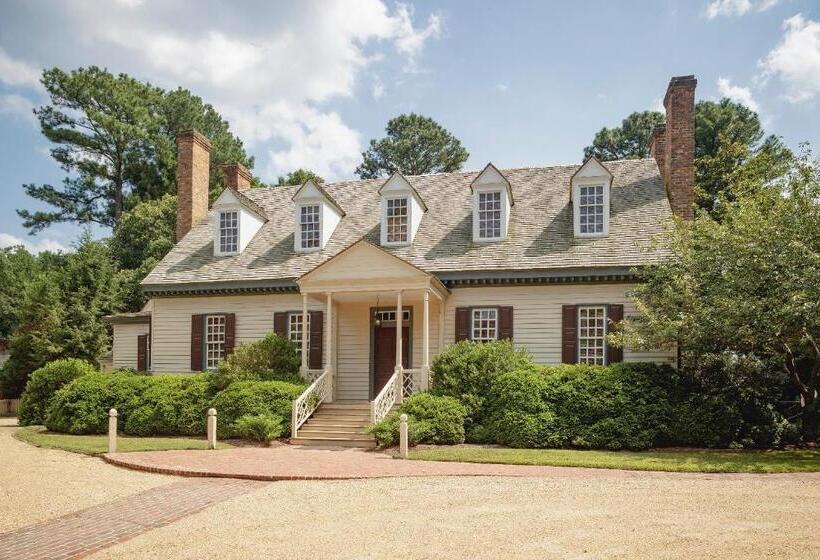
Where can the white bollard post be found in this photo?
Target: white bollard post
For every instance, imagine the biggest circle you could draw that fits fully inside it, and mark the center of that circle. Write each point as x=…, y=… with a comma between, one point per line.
x=403, y=436
x=211, y=428
x=112, y=430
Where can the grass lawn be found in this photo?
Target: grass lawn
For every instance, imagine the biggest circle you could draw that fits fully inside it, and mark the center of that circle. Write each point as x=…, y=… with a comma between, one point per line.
x=98, y=444
x=717, y=461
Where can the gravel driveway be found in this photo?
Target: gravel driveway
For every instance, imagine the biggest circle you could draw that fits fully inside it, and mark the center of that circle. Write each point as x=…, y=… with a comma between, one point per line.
x=669, y=516
x=38, y=484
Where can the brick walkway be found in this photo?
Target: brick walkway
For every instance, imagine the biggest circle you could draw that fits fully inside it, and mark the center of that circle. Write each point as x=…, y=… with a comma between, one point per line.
x=84, y=532
x=286, y=462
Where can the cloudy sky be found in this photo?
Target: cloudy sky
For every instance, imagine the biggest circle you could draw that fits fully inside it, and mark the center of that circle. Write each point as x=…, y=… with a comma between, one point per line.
x=307, y=84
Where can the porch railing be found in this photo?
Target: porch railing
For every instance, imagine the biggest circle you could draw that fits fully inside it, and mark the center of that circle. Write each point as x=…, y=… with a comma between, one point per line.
x=307, y=403
x=387, y=397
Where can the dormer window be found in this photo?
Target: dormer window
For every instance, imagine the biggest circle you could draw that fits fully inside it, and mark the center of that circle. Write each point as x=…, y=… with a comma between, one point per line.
x=591, y=209
x=492, y=203
x=489, y=215
x=589, y=196
x=229, y=232
x=397, y=215
x=402, y=209
x=317, y=216
x=310, y=227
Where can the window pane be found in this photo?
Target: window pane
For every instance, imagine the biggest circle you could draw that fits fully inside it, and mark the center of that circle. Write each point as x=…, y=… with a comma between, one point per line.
x=229, y=232
x=309, y=226
x=489, y=215
x=591, y=209
x=591, y=335
x=214, y=340
x=296, y=330
x=396, y=220
x=485, y=324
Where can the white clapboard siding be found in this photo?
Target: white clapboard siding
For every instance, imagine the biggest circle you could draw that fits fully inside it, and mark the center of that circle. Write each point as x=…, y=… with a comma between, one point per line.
x=537, y=314
x=124, y=344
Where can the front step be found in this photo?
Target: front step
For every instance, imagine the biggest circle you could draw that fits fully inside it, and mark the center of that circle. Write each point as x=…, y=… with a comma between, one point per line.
x=339, y=425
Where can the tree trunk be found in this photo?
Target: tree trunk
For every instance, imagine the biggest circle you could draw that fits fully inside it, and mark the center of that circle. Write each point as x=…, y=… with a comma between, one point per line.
x=811, y=420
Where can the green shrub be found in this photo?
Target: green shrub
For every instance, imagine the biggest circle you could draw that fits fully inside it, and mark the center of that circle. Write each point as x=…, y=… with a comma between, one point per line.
x=171, y=405
x=42, y=385
x=431, y=419
x=244, y=398
x=467, y=370
x=259, y=427
x=81, y=407
x=273, y=358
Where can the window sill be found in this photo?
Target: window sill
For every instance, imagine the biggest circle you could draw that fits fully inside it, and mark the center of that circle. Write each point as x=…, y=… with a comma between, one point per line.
x=592, y=235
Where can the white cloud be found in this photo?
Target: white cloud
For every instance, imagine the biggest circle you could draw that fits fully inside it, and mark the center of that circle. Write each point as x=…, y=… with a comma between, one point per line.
x=377, y=89
x=737, y=93
x=796, y=60
x=18, y=73
x=503, y=88
x=35, y=245
x=731, y=8
x=17, y=106
x=273, y=81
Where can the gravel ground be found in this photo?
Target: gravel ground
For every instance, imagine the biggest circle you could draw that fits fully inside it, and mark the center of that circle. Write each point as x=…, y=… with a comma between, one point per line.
x=38, y=484
x=676, y=516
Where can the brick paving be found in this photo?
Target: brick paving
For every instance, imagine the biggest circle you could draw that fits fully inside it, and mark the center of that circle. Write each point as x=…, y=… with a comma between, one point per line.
x=87, y=531
x=287, y=462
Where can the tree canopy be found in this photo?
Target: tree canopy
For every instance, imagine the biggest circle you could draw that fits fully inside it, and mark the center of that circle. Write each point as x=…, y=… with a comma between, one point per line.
x=298, y=177
x=628, y=141
x=414, y=145
x=746, y=285
x=116, y=139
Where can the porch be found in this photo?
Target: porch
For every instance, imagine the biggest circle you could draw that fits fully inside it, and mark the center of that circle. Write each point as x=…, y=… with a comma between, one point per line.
x=383, y=321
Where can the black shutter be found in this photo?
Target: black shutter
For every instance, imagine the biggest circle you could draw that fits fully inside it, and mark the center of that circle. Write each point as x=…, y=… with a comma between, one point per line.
x=462, y=323
x=317, y=329
x=142, y=352
x=614, y=315
x=230, y=333
x=280, y=323
x=569, y=334
x=505, y=323
x=197, y=328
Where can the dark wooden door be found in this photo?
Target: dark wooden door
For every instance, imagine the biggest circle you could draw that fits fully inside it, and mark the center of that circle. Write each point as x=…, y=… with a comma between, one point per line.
x=384, y=353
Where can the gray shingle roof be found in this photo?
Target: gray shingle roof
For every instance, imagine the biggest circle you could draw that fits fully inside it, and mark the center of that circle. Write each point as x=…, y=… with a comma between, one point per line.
x=540, y=232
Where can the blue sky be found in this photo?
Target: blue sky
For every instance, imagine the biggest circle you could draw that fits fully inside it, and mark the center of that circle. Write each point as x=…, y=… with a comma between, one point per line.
x=309, y=83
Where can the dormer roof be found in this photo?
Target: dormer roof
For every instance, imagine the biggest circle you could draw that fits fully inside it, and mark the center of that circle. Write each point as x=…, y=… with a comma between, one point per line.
x=230, y=195
x=312, y=189
x=490, y=175
x=397, y=179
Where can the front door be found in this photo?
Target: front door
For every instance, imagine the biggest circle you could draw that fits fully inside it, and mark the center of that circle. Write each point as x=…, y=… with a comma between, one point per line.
x=384, y=353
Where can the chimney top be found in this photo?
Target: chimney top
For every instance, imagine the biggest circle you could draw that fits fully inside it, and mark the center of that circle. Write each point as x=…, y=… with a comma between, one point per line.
x=680, y=81
x=192, y=135
x=237, y=176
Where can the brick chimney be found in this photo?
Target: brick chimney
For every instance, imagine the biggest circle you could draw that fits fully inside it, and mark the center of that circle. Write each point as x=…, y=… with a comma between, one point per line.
x=237, y=176
x=193, y=167
x=673, y=145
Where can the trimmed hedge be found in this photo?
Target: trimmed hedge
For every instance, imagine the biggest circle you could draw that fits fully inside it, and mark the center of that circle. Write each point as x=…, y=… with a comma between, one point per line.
x=261, y=427
x=172, y=405
x=42, y=385
x=254, y=398
x=431, y=419
x=273, y=358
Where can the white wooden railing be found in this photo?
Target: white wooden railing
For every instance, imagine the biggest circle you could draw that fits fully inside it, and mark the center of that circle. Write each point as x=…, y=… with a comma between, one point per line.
x=307, y=403
x=387, y=397
x=412, y=381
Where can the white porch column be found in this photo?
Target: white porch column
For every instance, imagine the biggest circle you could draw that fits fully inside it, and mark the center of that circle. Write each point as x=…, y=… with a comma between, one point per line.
x=305, y=336
x=329, y=347
x=425, y=338
x=440, y=325
x=399, y=371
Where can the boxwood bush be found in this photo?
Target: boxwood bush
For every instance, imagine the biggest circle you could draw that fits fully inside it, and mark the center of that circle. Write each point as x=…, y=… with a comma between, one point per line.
x=42, y=385
x=243, y=398
x=260, y=427
x=431, y=419
x=170, y=405
x=468, y=369
x=273, y=358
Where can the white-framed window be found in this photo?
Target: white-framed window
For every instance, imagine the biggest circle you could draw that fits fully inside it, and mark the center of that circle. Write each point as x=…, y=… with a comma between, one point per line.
x=397, y=220
x=489, y=215
x=592, y=335
x=214, y=340
x=229, y=231
x=386, y=316
x=591, y=210
x=484, y=324
x=310, y=227
x=297, y=329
